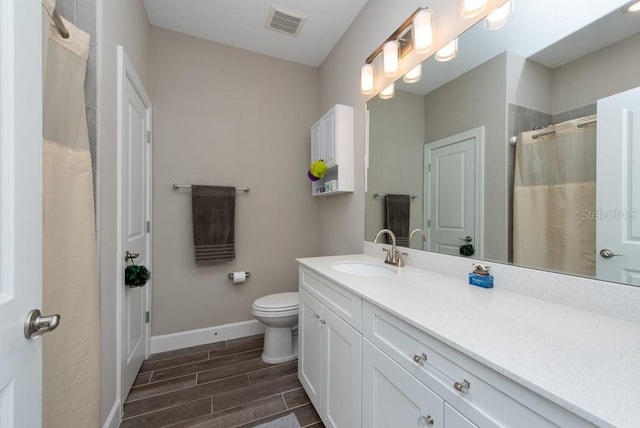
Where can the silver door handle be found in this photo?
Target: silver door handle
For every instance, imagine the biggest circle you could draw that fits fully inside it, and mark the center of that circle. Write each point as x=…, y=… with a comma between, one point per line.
x=35, y=325
x=130, y=256
x=606, y=253
x=466, y=239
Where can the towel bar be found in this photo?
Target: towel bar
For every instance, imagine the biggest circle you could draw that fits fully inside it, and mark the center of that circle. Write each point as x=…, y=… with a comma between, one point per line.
x=188, y=186
x=382, y=195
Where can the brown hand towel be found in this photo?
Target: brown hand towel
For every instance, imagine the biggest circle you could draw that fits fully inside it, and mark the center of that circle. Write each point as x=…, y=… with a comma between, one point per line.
x=213, y=209
x=396, y=217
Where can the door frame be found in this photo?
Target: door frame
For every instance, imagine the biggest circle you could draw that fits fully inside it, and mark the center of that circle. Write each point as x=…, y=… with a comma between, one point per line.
x=478, y=135
x=127, y=72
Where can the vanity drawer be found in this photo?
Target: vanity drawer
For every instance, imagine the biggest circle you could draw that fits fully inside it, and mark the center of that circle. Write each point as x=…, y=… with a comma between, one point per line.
x=490, y=399
x=343, y=303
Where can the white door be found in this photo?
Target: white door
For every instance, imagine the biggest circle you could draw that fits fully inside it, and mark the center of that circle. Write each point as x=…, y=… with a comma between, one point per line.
x=20, y=210
x=342, y=368
x=310, y=348
x=135, y=215
x=453, y=198
x=617, y=189
x=391, y=397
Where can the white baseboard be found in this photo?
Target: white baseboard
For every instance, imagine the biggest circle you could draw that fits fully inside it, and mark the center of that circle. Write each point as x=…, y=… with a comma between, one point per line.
x=113, y=418
x=184, y=339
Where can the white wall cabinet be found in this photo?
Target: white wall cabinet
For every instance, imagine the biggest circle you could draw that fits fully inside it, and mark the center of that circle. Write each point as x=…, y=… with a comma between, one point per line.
x=329, y=354
x=332, y=140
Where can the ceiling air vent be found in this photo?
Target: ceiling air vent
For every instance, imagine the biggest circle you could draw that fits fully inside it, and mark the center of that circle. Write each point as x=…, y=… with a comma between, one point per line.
x=285, y=21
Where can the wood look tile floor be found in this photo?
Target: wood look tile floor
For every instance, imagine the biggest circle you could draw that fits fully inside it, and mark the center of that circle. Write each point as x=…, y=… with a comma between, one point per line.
x=224, y=384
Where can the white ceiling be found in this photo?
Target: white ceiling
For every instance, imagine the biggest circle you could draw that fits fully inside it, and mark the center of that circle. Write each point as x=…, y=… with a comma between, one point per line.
x=241, y=24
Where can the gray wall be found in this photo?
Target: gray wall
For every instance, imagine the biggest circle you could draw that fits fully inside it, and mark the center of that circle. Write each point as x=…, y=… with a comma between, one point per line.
x=605, y=72
x=225, y=116
x=121, y=22
x=396, y=157
x=475, y=99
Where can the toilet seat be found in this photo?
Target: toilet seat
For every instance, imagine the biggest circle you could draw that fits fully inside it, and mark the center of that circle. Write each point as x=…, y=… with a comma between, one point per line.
x=277, y=303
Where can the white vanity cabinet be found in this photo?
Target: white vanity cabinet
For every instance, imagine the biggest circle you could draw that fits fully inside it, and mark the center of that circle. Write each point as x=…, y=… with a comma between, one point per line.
x=332, y=140
x=330, y=350
x=470, y=393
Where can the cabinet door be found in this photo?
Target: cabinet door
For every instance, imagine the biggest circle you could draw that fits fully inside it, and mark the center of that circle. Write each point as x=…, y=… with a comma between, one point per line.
x=329, y=137
x=310, y=349
x=317, y=151
x=342, y=367
x=453, y=419
x=391, y=397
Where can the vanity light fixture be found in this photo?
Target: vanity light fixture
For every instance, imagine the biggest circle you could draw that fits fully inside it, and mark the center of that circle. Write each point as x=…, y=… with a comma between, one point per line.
x=366, y=79
x=422, y=30
x=471, y=8
x=390, y=52
x=499, y=17
x=416, y=32
x=448, y=52
x=633, y=7
x=387, y=93
x=413, y=75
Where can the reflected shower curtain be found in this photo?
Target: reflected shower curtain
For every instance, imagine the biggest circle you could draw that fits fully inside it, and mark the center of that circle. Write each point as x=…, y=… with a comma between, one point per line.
x=71, y=354
x=554, y=198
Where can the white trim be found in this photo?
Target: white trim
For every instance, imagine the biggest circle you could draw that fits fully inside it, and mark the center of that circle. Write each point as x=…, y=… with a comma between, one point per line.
x=113, y=418
x=184, y=339
x=478, y=135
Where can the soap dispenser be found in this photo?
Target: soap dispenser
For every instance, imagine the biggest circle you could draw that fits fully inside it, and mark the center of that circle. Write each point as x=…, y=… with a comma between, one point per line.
x=480, y=276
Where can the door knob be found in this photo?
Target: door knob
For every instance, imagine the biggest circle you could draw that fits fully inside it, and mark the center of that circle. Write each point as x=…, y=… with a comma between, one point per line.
x=606, y=253
x=35, y=325
x=466, y=239
x=130, y=256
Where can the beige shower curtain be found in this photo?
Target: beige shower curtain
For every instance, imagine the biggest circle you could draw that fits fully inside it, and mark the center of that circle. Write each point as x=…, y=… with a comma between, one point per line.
x=71, y=354
x=554, y=198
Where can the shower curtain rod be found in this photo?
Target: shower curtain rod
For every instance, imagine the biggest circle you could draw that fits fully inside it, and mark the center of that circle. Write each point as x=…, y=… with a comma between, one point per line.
x=514, y=139
x=59, y=24
x=188, y=186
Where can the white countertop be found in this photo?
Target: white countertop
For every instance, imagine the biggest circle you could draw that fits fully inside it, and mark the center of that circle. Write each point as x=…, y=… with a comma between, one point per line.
x=584, y=362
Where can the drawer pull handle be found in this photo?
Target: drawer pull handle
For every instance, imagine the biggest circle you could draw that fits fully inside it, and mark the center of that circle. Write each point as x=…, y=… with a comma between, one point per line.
x=420, y=359
x=316, y=316
x=424, y=421
x=462, y=387
x=323, y=322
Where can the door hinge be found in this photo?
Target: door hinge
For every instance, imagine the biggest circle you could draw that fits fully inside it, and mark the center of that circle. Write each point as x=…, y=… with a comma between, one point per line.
x=146, y=317
x=429, y=168
x=148, y=137
x=428, y=223
x=148, y=227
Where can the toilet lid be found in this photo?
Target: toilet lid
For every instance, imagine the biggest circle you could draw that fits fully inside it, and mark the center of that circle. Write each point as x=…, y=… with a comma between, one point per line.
x=277, y=302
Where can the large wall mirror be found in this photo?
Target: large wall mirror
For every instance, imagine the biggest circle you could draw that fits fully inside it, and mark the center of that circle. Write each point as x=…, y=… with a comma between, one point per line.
x=524, y=149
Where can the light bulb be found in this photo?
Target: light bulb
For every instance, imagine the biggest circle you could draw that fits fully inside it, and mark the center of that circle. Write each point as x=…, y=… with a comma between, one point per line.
x=633, y=7
x=448, y=52
x=366, y=79
x=387, y=92
x=471, y=8
x=422, y=31
x=413, y=75
x=499, y=17
x=390, y=57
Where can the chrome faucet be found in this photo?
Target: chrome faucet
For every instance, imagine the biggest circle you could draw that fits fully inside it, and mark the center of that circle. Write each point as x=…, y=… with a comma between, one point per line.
x=421, y=232
x=394, y=257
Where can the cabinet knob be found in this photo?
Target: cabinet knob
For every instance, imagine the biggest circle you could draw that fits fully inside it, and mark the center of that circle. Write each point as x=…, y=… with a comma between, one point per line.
x=420, y=359
x=425, y=421
x=463, y=386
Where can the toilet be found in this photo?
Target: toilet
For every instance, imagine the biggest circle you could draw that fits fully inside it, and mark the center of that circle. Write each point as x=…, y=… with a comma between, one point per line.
x=279, y=312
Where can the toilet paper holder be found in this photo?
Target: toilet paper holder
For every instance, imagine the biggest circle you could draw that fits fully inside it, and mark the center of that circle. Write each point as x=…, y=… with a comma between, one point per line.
x=247, y=275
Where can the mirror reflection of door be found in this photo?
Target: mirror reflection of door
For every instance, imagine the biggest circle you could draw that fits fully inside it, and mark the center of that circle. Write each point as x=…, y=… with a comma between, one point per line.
x=453, y=178
x=617, y=192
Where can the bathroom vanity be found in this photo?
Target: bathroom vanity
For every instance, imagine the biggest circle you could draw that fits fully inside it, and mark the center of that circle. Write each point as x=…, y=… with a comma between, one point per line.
x=382, y=346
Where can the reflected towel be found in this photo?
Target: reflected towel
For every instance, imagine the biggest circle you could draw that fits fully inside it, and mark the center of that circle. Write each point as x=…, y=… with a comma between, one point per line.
x=213, y=209
x=396, y=217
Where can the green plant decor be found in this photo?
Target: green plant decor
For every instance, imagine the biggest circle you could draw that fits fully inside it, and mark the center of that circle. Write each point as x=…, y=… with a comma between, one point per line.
x=136, y=276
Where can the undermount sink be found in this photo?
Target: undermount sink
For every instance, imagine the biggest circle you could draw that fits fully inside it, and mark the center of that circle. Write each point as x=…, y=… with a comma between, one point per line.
x=363, y=269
